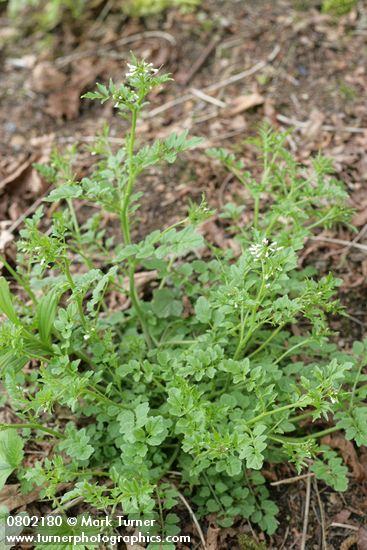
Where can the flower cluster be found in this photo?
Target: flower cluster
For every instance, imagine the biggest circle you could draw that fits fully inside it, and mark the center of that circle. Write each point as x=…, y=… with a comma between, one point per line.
x=141, y=69
x=264, y=249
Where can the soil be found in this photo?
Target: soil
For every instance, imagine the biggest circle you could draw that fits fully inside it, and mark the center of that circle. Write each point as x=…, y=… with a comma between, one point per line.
x=306, y=70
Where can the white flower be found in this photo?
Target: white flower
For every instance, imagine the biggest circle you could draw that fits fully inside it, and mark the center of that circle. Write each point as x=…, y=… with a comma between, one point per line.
x=256, y=250
x=142, y=69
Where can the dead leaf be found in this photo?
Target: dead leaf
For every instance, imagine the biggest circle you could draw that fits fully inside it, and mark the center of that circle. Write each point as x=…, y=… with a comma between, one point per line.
x=245, y=102
x=12, y=498
x=314, y=125
x=362, y=538
x=215, y=234
x=46, y=78
x=212, y=538
x=360, y=219
x=5, y=238
x=342, y=516
x=66, y=102
x=348, y=453
x=15, y=173
x=349, y=542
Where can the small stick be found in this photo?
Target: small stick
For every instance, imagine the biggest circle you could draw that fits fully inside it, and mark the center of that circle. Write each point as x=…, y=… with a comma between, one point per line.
x=193, y=517
x=244, y=74
x=307, y=511
x=356, y=239
x=326, y=127
x=200, y=61
x=291, y=479
x=221, y=84
x=344, y=526
x=64, y=60
x=322, y=515
x=340, y=241
x=208, y=98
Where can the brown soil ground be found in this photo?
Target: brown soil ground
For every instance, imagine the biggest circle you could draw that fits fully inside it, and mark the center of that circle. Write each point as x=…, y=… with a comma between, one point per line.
x=302, y=70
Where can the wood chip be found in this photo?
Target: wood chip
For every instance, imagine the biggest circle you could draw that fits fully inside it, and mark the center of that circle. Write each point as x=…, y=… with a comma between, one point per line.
x=245, y=102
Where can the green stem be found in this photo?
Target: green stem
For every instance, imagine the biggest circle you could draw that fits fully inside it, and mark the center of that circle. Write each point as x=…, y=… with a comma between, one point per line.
x=177, y=342
x=100, y=397
x=243, y=341
x=302, y=416
x=78, y=300
x=290, y=350
x=314, y=435
x=269, y=339
x=32, y=426
x=319, y=222
x=256, y=211
x=355, y=385
x=125, y=227
x=19, y=279
x=274, y=411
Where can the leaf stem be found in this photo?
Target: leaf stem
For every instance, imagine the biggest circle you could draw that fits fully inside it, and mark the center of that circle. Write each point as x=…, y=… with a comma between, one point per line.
x=32, y=426
x=125, y=227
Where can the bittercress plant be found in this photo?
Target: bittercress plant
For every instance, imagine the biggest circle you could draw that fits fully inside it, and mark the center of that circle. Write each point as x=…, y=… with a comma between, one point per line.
x=212, y=386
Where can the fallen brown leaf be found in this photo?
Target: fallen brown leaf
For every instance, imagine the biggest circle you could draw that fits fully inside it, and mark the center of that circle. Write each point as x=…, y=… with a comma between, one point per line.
x=245, y=102
x=12, y=498
x=212, y=538
x=349, y=542
x=362, y=538
x=5, y=238
x=46, y=78
x=66, y=102
x=348, y=453
x=314, y=125
x=360, y=219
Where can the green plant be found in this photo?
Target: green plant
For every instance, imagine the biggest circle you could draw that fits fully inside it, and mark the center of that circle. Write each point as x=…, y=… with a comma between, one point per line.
x=148, y=7
x=214, y=390
x=47, y=14
x=338, y=7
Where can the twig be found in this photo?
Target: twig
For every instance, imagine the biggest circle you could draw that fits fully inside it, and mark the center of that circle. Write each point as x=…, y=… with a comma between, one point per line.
x=356, y=239
x=344, y=526
x=221, y=84
x=307, y=511
x=355, y=320
x=285, y=538
x=89, y=139
x=244, y=74
x=200, y=61
x=340, y=241
x=68, y=505
x=322, y=515
x=27, y=213
x=291, y=479
x=193, y=517
x=208, y=98
x=64, y=60
x=326, y=127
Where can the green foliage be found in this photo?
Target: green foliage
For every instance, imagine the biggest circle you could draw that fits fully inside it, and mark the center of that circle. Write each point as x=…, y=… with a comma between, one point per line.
x=11, y=454
x=149, y=7
x=47, y=14
x=338, y=7
x=331, y=469
x=202, y=373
